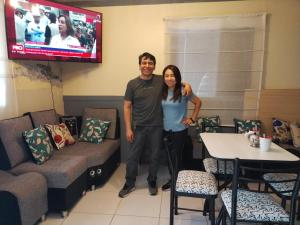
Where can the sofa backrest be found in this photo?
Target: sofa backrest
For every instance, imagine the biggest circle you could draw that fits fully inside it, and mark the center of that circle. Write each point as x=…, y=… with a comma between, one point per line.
x=12, y=147
x=42, y=117
x=107, y=115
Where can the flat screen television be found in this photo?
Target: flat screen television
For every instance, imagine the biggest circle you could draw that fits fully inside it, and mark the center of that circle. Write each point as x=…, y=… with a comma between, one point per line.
x=45, y=30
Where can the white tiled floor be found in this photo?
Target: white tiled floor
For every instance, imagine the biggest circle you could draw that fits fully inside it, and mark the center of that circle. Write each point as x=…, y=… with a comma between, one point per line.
x=104, y=207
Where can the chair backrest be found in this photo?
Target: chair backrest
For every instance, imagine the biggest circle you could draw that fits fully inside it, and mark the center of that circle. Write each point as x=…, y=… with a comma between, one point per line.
x=245, y=173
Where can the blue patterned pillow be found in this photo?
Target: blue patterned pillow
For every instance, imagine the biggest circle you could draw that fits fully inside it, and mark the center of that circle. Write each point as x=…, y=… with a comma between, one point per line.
x=39, y=144
x=243, y=126
x=281, y=131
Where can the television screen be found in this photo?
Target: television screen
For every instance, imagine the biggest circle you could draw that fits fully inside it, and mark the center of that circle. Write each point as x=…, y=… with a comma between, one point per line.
x=44, y=30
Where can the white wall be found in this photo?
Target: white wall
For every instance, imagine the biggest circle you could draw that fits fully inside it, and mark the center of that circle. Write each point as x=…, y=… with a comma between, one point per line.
x=130, y=30
x=21, y=87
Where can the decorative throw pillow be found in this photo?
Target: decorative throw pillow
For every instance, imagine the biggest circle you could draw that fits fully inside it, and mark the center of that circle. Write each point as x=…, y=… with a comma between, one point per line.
x=94, y=130
x=57, y=135
x=39, y=144
x=295, y=131
x=281, y=131
x=207, y=124
x=243, y=126
x=69, y=140
x=211, y=121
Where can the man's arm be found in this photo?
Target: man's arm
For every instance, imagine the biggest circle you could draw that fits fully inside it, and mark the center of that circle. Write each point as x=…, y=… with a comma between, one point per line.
x=187, y=88
x=127, y=119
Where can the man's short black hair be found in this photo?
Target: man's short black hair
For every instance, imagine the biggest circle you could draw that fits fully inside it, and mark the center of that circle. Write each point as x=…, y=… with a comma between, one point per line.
x=147, y=55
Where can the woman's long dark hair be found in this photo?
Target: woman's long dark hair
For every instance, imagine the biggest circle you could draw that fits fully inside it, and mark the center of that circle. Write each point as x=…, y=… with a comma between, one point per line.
x=177, y=89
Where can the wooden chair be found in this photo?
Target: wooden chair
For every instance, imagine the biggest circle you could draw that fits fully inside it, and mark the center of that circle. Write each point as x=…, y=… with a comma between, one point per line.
x=189, y=183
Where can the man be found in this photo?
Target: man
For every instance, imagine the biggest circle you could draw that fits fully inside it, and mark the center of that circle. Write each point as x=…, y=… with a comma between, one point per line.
x=36, y=30
x=143, y=122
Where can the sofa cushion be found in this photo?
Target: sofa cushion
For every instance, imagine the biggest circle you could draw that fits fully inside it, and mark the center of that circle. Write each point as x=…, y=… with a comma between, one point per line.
x=12, y=139
x=60, y=171
x=105, y=115
x=30, y=190
x=39, y=144
x=95, y=154
x=43, y=117
x=281, y=131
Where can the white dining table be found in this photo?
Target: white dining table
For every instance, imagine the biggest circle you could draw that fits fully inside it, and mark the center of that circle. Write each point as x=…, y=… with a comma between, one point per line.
x=232, y=145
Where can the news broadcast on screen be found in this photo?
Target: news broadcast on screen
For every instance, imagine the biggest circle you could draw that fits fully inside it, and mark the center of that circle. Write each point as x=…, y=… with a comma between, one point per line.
x=45, y=30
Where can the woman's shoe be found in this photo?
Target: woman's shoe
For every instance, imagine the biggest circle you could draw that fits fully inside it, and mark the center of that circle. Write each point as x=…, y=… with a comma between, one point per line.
x=166, y=186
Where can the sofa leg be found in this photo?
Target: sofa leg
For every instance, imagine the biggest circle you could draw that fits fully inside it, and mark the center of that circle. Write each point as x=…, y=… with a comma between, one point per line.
x=43, y=218
x=64, y=214
x=83, y=193
x=93, y=187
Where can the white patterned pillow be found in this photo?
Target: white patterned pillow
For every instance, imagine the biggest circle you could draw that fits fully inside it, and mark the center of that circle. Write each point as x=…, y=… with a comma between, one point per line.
x=295, y=131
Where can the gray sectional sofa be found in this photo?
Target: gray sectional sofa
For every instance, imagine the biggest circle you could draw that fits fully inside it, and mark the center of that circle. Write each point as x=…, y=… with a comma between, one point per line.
x=70, y=171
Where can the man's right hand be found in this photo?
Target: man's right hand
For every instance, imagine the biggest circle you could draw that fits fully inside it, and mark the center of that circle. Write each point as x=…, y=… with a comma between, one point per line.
x=130, y=136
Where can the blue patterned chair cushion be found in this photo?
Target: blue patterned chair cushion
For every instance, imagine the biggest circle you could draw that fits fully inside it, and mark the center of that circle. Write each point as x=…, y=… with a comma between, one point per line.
x=211, y=166
x=253, y=206
x=284, y=186
x=196, y=182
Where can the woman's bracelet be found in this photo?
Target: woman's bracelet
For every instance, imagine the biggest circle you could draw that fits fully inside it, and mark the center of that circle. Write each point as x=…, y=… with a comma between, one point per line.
x=192, y=119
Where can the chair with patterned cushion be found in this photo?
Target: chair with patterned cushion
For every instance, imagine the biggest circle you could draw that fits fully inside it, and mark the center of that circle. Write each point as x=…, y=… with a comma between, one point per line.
x=247, y=205
x=189, y=183
x=273, y=181
x=221, y=169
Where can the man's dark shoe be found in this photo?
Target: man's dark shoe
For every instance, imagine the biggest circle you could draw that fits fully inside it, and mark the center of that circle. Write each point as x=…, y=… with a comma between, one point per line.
x=166, y=186
x=126, y=190
x=152, y=187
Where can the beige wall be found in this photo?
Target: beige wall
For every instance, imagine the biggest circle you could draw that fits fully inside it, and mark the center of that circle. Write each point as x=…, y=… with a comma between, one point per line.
x=131, y=30
x=25, y=88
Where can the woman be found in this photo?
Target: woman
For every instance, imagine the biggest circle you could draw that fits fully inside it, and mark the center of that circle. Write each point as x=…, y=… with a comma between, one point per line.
x=174, y=106
x=65, y=38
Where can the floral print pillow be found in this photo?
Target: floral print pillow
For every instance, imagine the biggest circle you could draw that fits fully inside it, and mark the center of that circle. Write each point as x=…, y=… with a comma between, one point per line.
x=281, y=131
x=69, y=140
x=39, y=144
x=243, y=126
x=60, y=135
x=94, y=130
x=57, y=135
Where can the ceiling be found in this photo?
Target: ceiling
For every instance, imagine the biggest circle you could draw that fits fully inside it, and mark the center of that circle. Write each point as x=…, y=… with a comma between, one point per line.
x=88, y=3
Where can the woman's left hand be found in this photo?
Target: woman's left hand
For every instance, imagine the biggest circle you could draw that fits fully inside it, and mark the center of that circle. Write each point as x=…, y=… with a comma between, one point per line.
x=187, y=121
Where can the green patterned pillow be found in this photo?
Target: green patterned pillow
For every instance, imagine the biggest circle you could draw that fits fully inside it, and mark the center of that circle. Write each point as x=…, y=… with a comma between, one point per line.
x=211, y=121
x=39, y=144
x=243, y=126
x=94, y=130
x=207, y=124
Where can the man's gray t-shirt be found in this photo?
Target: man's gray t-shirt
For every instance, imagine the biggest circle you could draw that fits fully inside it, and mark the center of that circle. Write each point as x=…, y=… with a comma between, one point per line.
x=145, y=96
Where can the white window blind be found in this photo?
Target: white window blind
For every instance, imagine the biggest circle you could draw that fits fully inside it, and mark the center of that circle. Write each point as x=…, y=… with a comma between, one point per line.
x=222, y=58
